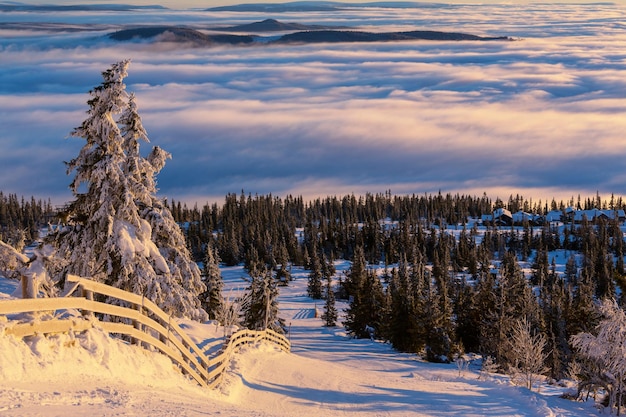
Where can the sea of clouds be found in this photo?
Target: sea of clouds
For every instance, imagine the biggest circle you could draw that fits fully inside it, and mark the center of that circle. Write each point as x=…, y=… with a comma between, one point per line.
x=543, y=116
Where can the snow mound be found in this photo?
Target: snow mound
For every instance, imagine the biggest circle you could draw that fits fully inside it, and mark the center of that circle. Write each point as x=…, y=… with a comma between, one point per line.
x=91, y=354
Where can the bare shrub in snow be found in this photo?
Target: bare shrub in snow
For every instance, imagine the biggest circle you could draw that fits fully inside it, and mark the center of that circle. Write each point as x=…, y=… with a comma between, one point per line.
x=489, y=366
x=527, y=353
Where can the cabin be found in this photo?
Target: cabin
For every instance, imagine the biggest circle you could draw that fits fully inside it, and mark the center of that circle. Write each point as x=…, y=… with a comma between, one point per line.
x=503, y=217
x=521, y=217
x=499, y=217
x=593, y=215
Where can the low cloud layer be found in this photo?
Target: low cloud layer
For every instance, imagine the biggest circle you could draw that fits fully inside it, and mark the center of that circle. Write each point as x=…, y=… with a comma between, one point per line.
x=543, y=116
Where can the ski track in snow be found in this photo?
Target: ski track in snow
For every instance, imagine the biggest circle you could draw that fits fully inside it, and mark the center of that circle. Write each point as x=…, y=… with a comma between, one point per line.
x=326, y=374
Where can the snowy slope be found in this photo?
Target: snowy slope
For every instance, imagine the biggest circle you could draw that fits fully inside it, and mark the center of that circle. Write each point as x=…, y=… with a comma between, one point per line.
x=327, y=374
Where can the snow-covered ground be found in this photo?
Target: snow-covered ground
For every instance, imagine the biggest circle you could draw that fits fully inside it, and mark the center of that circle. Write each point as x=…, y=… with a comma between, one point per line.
x=326, y=374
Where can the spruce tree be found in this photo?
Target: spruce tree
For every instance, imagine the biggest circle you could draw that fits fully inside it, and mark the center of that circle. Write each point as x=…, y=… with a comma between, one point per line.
x=329, y=316
x=354, y=288
x=365, y=312
x=467, y=317
x=314, y=286
x=486, y=303
x=212, y=299
x=283, y=271
x=118, y=231
x=582, y=316
x=99, y=186
x=438, y=342
x=355, y=276
x=403, y=326
x=260, y=306
x=439, y=325
x=515, y=300
x=555, y=300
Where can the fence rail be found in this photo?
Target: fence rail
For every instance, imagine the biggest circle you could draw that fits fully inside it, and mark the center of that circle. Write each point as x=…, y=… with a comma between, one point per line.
x=143, y=322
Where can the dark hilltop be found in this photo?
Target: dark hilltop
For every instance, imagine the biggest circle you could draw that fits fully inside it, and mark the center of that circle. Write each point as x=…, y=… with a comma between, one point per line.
x=357, y=36
x=273, y=25
x=178, y=34
x=301, y=34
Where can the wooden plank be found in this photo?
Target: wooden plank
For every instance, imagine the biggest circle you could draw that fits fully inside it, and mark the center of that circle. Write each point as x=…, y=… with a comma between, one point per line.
x=136, y=299
x=144, y=337
x=98, y=307
x=50, y=326
x=39, y=304
x=184, y=351
x=201, y=375
x=47, y=327
x=219, y=369
x=105, y=289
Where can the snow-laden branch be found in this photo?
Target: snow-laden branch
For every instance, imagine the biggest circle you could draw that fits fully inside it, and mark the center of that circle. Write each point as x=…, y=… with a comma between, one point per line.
x=607, y=350
x=32, y=271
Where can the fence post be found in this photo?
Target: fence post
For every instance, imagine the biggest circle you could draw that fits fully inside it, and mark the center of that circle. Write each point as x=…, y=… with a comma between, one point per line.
x=136, y=324
x=89, y=296
x=25, y=292
x=29, y=286
x=163, y=338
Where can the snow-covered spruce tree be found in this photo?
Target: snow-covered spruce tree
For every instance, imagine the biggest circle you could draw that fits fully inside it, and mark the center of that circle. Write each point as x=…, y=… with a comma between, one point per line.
x=407, y=321
x=260, y=304
x=329, y=316
x=501, y=304
x=314, y=286
x=365, y=313
x=212, y=299
x=439, y=323
x=119, y=232
x=99, y=183
x=355, y=275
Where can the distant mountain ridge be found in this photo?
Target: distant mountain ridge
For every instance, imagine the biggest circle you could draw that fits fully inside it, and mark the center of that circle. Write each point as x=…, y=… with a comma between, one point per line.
x=197, y=38
x=178, y=34
x=357, y=36
x=273, y=25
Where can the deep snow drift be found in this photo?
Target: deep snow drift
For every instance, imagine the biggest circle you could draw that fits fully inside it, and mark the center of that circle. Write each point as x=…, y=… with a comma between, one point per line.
x=327, y=373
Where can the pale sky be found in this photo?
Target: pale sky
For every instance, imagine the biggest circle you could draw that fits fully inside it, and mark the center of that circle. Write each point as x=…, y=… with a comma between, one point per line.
x=184, y=4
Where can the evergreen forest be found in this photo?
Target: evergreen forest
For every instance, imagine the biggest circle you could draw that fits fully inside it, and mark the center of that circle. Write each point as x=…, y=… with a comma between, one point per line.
x=426, y=275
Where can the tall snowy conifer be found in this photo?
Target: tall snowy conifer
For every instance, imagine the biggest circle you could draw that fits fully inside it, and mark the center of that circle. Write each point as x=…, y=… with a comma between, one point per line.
x=314, y=286
x=119, y=232
x=212, y=298
x=329, y=316
x=367, y=300
x=403, y=326
x=260, y=304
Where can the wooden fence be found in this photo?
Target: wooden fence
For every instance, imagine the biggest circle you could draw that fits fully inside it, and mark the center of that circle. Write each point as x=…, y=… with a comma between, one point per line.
x=143, y=323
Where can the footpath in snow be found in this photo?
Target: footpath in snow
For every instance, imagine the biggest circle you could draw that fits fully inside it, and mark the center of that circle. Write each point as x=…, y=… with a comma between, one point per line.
x=326, y=374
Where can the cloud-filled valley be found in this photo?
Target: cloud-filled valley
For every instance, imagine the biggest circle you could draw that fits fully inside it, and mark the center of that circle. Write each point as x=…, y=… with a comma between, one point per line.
x=542, y=116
